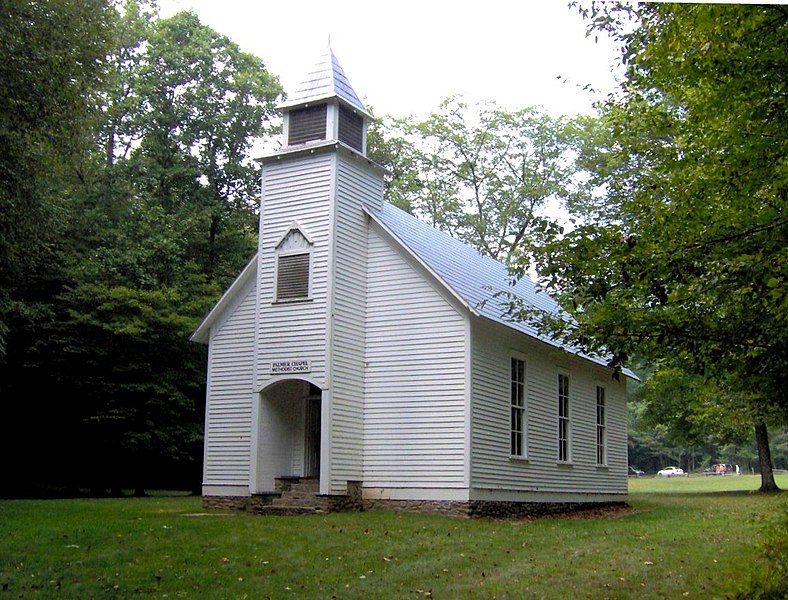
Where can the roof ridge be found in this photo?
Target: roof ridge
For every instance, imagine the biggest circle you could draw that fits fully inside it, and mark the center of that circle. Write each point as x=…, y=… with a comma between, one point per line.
x=472, y=278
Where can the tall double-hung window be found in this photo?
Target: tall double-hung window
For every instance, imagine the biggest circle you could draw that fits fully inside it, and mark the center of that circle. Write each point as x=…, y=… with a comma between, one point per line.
x=601, y=427
x=519, y=442
x=563, y=418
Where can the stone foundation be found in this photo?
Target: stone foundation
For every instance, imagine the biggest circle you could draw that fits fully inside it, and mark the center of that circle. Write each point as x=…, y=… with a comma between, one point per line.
x=251, y=504
x=487, y=508
x=348, y=503
x=447, y=508
x=226, y=502
x=457, y=509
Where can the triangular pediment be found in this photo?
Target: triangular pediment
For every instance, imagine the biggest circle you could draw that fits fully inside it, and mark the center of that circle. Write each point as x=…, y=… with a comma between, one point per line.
x=295, y=238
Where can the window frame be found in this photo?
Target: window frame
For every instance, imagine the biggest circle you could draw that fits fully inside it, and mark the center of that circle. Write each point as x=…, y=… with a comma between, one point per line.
x=601, y=426
x=564, y=401
x=521, y=408
x=279, y=252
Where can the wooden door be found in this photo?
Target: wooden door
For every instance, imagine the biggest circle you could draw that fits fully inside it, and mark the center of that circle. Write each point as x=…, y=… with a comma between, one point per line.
x=312, y=439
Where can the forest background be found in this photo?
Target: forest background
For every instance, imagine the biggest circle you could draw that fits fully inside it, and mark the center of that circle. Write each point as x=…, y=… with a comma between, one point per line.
x=129, y=202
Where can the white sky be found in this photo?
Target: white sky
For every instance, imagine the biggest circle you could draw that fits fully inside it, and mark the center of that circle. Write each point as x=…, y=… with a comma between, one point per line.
x=404, y=57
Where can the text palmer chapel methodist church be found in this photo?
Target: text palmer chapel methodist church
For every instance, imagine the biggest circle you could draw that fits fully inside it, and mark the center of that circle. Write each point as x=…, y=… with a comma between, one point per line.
x=354, y=361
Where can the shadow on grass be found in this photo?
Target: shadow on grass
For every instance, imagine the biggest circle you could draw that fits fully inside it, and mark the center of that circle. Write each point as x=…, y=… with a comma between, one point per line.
x=49, y=492
x=713, y=494
x=732, y=493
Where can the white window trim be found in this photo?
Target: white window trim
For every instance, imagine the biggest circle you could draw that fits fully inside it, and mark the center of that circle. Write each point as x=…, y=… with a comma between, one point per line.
x=602, y=464
x=569, y=412
x=294, y=226
x=524, y=422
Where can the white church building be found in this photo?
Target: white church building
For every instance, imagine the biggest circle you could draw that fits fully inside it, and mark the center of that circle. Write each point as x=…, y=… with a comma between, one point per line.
x=361, y=359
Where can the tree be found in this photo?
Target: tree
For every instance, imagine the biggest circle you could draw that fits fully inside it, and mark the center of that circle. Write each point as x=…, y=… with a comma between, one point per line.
x=681, y=256
x=694, y=411
x=205, y=102
x=387, y=145
x=156, y=215
x=481, y=173
x=171, y=219
x=53, y=64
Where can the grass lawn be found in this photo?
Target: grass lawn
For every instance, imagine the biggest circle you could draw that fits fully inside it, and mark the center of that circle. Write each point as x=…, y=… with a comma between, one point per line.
x=700, y=484
x=683, y=538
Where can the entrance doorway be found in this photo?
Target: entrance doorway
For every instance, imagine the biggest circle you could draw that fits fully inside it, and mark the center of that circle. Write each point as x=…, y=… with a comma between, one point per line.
x=312, y=435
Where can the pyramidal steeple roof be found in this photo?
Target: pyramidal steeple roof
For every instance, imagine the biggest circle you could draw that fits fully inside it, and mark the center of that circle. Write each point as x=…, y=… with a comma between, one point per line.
x=325, y=80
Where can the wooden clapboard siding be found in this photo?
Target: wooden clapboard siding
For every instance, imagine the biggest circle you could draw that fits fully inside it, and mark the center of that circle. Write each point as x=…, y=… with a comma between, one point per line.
x=414, y=407
x=491, y=467
x=355, y=186
x=295, y=190
x=228, y=422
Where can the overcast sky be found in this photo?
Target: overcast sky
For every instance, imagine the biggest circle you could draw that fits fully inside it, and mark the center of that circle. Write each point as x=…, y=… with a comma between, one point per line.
x=404, y=57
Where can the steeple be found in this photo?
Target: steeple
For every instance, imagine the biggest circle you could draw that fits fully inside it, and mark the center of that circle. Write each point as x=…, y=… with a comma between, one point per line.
x=325, y=80
x=324, y=107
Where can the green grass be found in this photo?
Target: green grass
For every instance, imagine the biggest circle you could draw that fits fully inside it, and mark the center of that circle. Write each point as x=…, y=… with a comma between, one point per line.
x=673, y=542
x=700, y=484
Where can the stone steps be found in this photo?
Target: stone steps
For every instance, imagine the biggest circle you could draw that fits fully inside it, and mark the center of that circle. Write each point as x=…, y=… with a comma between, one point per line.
x=298, y=496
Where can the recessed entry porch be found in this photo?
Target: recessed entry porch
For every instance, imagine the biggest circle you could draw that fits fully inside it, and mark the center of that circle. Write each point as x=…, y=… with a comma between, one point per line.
x=288, y=448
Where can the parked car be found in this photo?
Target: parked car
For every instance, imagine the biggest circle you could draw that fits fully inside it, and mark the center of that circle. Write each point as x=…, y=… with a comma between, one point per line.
x=633, y=472
x=670, y=472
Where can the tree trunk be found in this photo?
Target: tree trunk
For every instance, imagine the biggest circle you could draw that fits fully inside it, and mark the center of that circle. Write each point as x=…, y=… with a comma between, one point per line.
x=110, y=149
x=212, y=254
x=765, y=459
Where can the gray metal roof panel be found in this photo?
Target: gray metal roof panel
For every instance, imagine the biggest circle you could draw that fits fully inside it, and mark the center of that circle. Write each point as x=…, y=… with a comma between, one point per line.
x=325, y=80
x=473, y=277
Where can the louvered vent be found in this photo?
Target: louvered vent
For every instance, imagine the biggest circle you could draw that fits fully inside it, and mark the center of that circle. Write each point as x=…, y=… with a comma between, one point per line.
x=307, y=124
x=292, y=277
x=351, y=127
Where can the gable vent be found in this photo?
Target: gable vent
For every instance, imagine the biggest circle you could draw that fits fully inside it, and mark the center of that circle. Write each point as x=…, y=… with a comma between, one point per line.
x=292, y=277
x=307, y=124
x=351, y=128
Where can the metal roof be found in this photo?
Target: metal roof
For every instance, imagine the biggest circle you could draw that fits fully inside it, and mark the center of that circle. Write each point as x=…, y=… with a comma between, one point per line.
x=203, y=333
x=327, y=79
x=474, y=278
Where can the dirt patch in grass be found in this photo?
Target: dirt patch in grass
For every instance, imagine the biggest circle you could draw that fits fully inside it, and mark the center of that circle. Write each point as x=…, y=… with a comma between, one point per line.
x=604, y=512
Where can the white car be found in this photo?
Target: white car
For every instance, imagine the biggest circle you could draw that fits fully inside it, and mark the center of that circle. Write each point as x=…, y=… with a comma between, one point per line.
x=670, y=472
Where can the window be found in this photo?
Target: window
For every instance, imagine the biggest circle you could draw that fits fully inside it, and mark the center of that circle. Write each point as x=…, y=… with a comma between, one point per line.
x=293, y=258
x=601, y=434
x=518, y=446
x=351, y=128
x=292, y=277
x=307, y=124
x=563, y=417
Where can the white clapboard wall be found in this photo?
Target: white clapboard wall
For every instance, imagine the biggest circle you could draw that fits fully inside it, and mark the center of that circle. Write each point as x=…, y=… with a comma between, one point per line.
x=414, y=409
x=229, y=401
x=492, y=468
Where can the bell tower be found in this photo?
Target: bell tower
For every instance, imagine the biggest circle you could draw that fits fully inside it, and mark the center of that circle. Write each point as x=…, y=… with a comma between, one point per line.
x=324, y=107
x=310, y=319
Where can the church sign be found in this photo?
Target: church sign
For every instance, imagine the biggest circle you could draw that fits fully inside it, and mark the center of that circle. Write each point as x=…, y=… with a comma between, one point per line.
x=290, y=366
